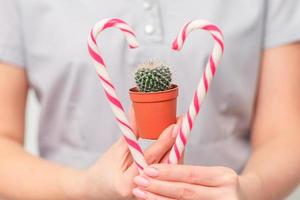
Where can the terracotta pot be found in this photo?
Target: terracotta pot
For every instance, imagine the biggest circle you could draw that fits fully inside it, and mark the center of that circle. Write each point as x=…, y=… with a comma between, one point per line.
x=154, y=111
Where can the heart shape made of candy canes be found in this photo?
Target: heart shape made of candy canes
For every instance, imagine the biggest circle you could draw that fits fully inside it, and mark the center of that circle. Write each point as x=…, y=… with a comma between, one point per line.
x=116, y=105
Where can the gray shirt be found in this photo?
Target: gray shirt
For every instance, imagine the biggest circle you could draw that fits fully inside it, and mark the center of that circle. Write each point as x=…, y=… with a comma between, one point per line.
x=48, y=39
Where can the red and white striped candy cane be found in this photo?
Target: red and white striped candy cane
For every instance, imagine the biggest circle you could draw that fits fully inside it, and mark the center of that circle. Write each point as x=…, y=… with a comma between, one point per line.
x=203, y=85
x=108, y=86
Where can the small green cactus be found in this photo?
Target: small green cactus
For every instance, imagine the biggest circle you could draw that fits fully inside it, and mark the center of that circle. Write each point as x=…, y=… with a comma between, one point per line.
x=153, y=77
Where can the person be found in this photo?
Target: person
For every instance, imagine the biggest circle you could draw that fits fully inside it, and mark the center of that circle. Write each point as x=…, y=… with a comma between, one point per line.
x=245, y=142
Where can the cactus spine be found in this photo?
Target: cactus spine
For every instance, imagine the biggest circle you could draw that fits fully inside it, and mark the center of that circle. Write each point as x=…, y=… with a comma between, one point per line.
x=153, y=77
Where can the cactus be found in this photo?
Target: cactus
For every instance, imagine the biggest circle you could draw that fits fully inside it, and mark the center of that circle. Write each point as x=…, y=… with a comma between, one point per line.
x=153, y=77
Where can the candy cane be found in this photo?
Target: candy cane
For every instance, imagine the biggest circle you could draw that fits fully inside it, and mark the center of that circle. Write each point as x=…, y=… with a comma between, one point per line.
x=203, y=85
x=109, y=88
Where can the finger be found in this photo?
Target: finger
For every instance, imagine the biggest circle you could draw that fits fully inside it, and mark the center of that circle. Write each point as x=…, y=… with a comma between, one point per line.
x=131, y=172
x=160, y=147
x=120, y=147
x=151, y=196
x=141, y=194
x=206, y=176
x=165, y=159
x=179, y=119
x=120, y=153
x=178, y=124
x=175, y=190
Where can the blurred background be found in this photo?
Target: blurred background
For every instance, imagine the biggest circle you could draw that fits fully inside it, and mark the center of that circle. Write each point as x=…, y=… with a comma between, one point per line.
x=32, y=127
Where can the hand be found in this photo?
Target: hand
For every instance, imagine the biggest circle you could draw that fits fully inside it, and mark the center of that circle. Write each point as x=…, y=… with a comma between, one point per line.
x=168, y=182
x=112, y=176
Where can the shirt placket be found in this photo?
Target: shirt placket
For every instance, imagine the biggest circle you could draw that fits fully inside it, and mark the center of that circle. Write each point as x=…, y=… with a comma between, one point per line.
x=152, y=28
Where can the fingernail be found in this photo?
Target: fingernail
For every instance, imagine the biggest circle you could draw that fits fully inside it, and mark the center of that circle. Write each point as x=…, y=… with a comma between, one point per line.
x=141, y=181
x=175, y=131
x=139, y=193
x=152, y=172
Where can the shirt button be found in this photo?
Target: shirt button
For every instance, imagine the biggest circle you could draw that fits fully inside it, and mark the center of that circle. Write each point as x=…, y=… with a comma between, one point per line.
x=147, y=5
x=149, y=29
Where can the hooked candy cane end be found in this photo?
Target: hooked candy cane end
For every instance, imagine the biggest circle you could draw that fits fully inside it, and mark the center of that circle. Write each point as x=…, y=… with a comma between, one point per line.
x=133, y=43
x=133, y=46
x=175, y=46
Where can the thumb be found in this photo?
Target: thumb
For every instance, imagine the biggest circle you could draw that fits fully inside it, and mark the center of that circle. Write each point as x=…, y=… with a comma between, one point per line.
x=161, y=146
x=174, y=134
